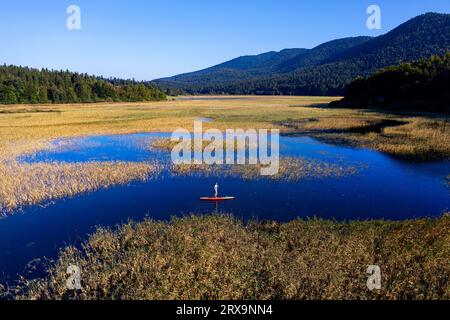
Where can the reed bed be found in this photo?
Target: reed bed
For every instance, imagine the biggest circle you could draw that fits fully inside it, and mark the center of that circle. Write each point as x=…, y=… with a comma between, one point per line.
x=424, y=138
x=163, y=144
x=290, y=169
x=166, y=144
x=219, y=257
x=338, y=123
x=414, y=138
x=25, y=184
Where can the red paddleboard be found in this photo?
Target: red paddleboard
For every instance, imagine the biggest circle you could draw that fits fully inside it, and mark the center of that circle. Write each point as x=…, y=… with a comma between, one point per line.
x=217, y=199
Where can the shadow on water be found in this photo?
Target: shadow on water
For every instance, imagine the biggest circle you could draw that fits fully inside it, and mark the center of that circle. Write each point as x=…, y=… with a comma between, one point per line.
x=375, y=127
x=383, y=189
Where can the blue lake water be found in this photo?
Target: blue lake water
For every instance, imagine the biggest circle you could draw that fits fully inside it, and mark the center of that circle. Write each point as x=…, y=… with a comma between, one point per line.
x=384, y=188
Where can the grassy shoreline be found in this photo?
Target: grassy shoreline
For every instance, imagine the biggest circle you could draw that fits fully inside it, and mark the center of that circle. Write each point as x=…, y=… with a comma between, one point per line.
x=219, y=257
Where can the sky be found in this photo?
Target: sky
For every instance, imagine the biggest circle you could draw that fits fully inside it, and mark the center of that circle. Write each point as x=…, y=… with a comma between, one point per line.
x=148, y=39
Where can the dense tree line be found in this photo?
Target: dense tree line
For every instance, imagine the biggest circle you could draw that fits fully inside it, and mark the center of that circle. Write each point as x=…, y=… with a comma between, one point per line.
x=421, y=85
x=27, y=85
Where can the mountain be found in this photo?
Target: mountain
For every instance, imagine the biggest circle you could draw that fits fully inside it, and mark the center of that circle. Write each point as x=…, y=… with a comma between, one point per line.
x=255, y=67
x=323, y=52
x=242, y=68
x=323, y=70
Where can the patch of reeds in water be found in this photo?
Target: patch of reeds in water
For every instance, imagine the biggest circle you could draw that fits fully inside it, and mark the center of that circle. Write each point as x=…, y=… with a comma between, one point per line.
x=414, y=138
x=28, y=184
x=166, y=144
x=290, y=169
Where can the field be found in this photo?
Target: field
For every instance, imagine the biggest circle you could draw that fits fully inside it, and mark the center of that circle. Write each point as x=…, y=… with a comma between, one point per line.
x=25, y=128
x=186, y=258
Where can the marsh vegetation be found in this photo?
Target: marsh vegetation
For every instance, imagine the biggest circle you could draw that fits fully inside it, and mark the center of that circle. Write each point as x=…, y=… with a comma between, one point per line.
x=219, y=257
x=415, y=138
x=28, y=184
x=290, y=169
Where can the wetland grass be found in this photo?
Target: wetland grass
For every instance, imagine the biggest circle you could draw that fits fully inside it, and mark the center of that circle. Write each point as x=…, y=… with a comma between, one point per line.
x=28, y=184
x=290, y=169
x=415, y=138
x=219, y=257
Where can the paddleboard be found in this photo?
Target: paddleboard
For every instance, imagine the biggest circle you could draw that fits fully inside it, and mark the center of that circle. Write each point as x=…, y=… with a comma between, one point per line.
x=217, y=199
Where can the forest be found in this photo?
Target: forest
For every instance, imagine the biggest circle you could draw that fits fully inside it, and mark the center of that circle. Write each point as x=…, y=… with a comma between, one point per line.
x=422, y=85
x=28, y=85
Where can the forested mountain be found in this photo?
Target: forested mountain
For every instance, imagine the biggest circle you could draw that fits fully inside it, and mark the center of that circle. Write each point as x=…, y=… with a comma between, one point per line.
x=242, y=68
x=253, y=68
x=27, y=85
x=422, y=85
x=324, y=70
x=323, y=52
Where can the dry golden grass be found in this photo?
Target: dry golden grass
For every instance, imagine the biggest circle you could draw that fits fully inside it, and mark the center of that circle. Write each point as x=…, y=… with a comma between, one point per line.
x=218, y=257
x=27, y=127
x=413, y=137
x=337, y=123
x=290, y=169
x=166, y=144
x=425, y=138
x=28, y=184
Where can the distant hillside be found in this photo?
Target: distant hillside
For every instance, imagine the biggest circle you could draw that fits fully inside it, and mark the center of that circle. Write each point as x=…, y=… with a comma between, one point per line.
x=26, y=85
x=242, y=68
x=253, y=68
x=323, y=70
x=421, y=85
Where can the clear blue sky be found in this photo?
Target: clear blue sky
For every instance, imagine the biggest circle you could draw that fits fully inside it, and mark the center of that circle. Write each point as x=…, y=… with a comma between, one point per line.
x=156, y=38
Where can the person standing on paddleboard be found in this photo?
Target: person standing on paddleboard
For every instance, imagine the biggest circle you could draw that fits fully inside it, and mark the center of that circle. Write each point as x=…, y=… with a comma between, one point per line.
x=216, y=190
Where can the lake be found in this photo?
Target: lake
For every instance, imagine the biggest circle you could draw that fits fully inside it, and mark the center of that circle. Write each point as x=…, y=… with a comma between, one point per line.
x=383, y=188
